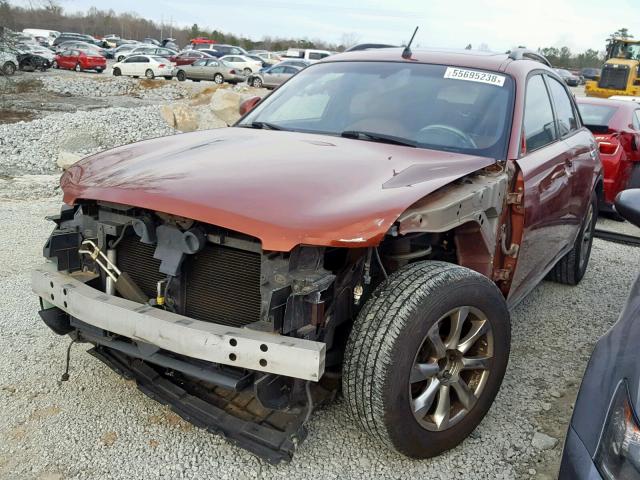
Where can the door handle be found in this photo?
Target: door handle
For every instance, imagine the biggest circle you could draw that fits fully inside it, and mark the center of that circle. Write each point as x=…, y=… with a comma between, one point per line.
x=568, y=162
x=558, y=174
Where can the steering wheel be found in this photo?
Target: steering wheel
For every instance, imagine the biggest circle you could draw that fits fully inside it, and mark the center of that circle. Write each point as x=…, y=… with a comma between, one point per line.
x=455, y=131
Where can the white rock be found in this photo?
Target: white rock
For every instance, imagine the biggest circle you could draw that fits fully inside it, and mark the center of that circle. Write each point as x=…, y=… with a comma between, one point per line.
x=66, y=159
x=542, y=441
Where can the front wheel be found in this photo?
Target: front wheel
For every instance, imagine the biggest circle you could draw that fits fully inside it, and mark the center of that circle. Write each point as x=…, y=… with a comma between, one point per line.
x=571, y=268
x=149, y=74
x=181, y=76
x=426, y=357
x=218, y=78
x=9, y=68
x=117, y=72
x=256, y=83
x=78, y=67
x=54, y=64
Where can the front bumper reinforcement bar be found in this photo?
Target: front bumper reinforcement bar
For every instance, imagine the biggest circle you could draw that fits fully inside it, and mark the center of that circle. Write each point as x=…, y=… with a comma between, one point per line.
x=237, y=347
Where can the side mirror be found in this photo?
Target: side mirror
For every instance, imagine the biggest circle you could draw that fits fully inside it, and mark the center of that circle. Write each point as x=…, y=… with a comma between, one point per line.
x=249, y=105
x=628, y=205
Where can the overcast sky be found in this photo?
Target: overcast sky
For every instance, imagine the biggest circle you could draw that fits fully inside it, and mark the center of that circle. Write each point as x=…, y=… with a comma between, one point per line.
x=501, y=24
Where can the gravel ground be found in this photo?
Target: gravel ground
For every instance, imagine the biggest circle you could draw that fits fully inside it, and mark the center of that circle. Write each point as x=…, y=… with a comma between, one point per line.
x=33, y=147
x=99, y=426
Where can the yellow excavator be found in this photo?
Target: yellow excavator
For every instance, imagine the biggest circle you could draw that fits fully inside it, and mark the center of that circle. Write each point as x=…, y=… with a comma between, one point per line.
x=620, y=74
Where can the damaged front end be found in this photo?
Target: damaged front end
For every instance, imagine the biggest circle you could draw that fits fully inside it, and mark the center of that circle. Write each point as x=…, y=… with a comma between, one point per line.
x=234, y=339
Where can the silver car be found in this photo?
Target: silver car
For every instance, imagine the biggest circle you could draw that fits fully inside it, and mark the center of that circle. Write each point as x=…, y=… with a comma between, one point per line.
x=272, y=77
x=211, y=69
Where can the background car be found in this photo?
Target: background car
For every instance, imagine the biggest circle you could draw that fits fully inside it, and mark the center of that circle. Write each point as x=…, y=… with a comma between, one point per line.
x=269, y=57
x=603, y=438
x=81, y=45
x=295, y=63
x=187, y=57
x=29, y=62
x=568, y=77
x=35, y=50
x=211, y=69
x=272, y=77
x=79, y=60
x=120, y=52
x=245, y=64
x=263, y=63
x=616, y=127
x=144, y=65
x=149, y=50
x=591, y=73
x=223, y=50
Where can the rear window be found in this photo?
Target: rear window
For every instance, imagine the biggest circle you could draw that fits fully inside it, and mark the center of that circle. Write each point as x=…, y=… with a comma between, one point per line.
x=596, y=114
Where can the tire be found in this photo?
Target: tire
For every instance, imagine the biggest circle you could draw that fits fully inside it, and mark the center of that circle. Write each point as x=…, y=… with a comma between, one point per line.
x=117, y=72
x=247, y=71
x=392, y=333
x=120, y=58
x=99, y=70
x=571, y=268
x=218, y=78
x=55, y=64
x=9, y=68
x=256, y=83
x=78, y=67
x=181, y=76
x=149, y=74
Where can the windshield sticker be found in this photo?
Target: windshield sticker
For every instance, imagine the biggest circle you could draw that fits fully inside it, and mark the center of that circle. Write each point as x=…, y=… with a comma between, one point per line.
x=474, y=76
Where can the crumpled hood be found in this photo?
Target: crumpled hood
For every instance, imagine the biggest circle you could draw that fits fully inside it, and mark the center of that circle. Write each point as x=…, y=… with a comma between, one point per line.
x=285, y=188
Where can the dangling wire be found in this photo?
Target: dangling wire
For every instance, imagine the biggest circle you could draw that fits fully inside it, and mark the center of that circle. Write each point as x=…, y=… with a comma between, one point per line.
x=384, y=272
x=65, y=375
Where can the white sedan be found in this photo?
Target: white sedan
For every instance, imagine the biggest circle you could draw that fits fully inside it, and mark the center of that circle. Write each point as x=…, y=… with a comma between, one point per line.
x=242, y=63
x=144, y=65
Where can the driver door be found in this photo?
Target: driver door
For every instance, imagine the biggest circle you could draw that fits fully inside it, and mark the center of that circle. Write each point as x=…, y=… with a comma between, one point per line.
x=547, y=170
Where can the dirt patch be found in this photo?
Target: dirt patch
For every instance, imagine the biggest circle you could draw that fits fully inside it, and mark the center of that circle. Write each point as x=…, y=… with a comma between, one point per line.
x=109, y=438
x=154, y=443
x=46, y=412
x=15, y=116
x=150, y=84
x=171, y=419
x=18, y=433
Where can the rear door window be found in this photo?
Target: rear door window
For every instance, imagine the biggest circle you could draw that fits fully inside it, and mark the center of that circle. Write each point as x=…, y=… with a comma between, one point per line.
x=539, y=128
x=566, y=115
x=636, y=120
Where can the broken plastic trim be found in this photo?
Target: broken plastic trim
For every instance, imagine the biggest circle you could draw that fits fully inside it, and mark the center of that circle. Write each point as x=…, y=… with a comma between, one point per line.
x=271, y=435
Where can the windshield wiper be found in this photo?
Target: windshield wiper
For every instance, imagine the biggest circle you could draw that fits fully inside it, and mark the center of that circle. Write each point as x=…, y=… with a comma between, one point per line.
x=378, y=137
x=261, y=125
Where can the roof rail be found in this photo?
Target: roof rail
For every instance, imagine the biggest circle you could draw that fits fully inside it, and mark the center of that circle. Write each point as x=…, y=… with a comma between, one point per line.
x=368, y=46
x=524, y=53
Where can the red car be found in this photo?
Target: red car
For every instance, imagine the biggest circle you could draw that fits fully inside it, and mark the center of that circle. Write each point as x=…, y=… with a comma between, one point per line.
x=80, y=60
x=370, y=225
x=616, y=127
x=188, y=57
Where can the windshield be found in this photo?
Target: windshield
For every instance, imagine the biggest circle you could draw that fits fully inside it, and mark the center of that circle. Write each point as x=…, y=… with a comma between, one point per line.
x=628, y=51
x=428, y=106
x=596, y=114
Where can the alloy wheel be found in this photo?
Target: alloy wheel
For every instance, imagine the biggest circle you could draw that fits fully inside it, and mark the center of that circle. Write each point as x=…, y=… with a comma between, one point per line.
x=451, y=368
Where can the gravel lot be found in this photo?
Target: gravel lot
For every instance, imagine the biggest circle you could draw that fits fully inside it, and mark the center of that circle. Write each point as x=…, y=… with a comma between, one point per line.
x=98, y=426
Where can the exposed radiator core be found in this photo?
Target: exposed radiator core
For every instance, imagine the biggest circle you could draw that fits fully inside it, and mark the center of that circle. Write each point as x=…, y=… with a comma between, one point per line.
x=221, y=284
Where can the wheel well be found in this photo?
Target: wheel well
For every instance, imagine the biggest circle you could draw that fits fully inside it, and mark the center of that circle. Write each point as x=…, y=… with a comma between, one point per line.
x=600, y=191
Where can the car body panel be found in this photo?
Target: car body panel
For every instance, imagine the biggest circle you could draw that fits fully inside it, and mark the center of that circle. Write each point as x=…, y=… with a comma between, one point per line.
x=274, y=76
x=623, y=129
x=137, y=65
x=288, y=188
